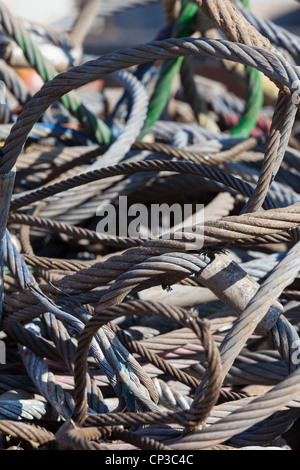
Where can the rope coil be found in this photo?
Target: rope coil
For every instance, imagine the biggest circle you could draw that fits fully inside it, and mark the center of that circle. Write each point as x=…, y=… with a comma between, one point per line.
x=122, y=342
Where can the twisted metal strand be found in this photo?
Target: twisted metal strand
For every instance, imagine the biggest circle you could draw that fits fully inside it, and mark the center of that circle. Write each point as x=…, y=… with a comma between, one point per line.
x=14, y=83
x=226, y=229
x=203, y=404
x=109, y=354
x=279, y=37
x=14, y=28
x=37, y=344
x=117, y=150
x=26, y=409
x=129, y=168
x=240, y=420
x=45, y=381
x=283, y=120
x=84, y=21
x=29, y=432
x=141, y=442
x=67, y=348
x=233, y=24
x=282, y=73
x=269, y=291
x=101, y=318
x=160, y=363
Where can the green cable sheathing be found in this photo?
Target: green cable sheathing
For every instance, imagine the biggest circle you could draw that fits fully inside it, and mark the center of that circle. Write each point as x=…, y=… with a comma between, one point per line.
x=254, y=101
x=97, y=129
x=245, y=3
x=170, y=69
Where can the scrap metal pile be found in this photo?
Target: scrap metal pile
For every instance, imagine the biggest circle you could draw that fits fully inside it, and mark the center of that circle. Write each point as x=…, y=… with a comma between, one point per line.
x=113, y=342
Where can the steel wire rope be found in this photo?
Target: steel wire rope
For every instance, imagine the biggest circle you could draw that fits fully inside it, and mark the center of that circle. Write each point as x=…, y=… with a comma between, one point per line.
x=14, y=28
x=83, y=74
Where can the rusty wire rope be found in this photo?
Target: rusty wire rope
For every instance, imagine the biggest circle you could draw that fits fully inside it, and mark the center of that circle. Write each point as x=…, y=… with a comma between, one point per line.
x=121, y=342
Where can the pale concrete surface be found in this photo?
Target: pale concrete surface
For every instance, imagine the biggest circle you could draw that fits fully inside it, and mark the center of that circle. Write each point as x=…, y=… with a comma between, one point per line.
x=270, y=9
x=41, y=11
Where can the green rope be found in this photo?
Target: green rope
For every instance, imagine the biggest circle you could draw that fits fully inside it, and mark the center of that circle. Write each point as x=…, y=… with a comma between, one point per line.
x=96, y=128
x=170, y=69
x=254, y=102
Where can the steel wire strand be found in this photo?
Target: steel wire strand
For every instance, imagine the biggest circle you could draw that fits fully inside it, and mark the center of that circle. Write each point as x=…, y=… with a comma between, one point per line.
x=84, y=21
x=265, y=432
x=279, y=37
x=275, y=67
x=238, y=421
x=242, y=231
x=14, y=28
x=163, y=269
x=73, y=440
x=144, y=308
x=70, y=436
x=72, y=231
x=26, y=409
x=112, y=348
x=282, y=123
x=195, y=156
x=271, y=428
x=141, y=380
x=87, y=278
x=118, y=149
x=53, y=263
x=203, y=404
x=67, y=158
x=170, y=397
x=201, y=408
x=140, y=442
x=57, y=37
x=29, y=432
x=14, y=83
x=130, y=168
x=255, y=311
x=34, y=363
x=61, y=400
x=157, y=361
x=126, y=376
x=256, y=368
x=64, y=344
x=225, y=15
x=223, y=230
x=233, y=24
x=101, y=273
x=37, y=344
x=81, y=438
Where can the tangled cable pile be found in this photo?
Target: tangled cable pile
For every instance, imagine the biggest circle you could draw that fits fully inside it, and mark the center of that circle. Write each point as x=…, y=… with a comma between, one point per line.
x=115, y=343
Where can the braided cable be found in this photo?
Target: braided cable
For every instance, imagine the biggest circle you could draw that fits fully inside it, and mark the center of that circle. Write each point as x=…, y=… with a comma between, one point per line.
x=282, y=73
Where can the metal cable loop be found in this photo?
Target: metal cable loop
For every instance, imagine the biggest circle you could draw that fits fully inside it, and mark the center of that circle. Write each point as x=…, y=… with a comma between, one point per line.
x=282, y=73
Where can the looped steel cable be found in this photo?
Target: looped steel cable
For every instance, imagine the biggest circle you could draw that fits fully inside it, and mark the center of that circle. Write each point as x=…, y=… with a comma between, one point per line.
x=183, y=341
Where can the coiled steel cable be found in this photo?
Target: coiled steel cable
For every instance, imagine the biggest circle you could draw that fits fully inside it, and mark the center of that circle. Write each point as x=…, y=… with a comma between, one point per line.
x=81, y=75
x=109, y=283
x=13, y=27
